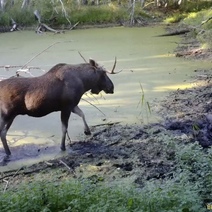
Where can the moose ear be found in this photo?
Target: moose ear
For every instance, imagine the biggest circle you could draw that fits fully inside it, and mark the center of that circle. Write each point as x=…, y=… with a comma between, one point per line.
x=92, y=62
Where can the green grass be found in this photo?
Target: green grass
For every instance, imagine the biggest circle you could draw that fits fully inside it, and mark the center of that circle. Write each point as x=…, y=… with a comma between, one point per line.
x=98, y=15
x=83, y=15
x=187, y=188
x=85, y=196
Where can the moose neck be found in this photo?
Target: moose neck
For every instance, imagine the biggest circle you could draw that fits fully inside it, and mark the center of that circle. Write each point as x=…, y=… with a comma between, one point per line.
x=82, y=76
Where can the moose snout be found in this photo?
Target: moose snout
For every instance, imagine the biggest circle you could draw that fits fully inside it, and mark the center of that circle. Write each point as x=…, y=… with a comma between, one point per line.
x=109, y=91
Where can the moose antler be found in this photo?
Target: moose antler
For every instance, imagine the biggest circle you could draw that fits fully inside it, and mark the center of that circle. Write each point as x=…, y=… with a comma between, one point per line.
x=112, y=71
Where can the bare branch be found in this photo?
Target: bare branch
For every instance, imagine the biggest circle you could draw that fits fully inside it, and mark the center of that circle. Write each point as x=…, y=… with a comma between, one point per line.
x=93, y=106
x=65, y=165
x=64, y=11
x=40, y=53
x=82, y=57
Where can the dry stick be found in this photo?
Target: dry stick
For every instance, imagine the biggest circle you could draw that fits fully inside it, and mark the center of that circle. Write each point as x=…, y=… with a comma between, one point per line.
x=65, y=165
x=7, y=181
x=74, y=25
x=82, y=57
x=93, y=106
x=39, y=54
x=64, y=11
x=18, y=66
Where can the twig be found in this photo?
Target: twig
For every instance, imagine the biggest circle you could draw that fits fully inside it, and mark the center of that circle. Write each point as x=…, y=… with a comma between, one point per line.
x=93, y=106
x=6, y=67
x=82, y=57
x=74, y=25
x=39, y=29
x=205, y=21
x=7, y=182
x=68, y=137
x=39, y=54
x=64, y=11
x=65, y=165
x=107, y=124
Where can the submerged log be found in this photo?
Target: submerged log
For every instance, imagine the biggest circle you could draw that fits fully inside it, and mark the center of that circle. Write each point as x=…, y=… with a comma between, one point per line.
x=177, y=32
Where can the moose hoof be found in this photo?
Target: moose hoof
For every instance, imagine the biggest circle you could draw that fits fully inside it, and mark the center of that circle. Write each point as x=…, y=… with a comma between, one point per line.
x=87, y=132
x=6, y=158
x=8, y=153
x=63, y=148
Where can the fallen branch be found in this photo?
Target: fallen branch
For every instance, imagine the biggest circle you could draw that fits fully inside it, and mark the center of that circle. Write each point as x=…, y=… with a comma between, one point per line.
x=7, y=67
x=93, y=106
x=177, y=32
x=69, y=168
x=74, y=25
x=40, y=54
x=64, y=11
x=42, y=26
x=204, y=22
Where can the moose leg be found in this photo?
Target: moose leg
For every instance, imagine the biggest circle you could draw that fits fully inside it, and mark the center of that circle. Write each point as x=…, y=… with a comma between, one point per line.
x=65, y=114
x=4, y=127
x=79, y=112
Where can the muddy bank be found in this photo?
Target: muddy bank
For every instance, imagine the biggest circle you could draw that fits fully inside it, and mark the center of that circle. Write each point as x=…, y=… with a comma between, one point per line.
x=135, y=153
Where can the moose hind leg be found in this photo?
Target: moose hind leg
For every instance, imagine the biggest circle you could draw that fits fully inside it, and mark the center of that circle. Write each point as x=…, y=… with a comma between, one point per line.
x=79, y=112
x=64, y=119
x=4, y=127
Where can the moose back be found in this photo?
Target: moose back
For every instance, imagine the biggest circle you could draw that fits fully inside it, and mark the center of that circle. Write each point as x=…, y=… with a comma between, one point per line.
x=60, y=89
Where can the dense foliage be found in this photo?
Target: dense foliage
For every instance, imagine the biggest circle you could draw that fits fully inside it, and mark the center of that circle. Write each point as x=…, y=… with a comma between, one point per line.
x=66, y=13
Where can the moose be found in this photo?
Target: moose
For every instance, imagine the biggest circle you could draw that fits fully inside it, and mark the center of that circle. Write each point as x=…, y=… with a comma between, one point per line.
x=59, y=89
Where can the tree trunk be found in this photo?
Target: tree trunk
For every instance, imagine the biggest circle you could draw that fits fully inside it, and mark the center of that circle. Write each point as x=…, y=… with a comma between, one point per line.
x=132, y=13
x=2, y=4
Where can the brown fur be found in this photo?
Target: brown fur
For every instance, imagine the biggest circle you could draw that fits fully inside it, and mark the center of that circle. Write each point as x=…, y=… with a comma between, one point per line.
x=60, y=89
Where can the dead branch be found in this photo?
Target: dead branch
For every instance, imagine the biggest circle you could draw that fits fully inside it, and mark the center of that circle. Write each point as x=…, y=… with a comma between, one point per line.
x=102, y=130
x=46, y=27
x=65, y=165
x=204, y=22
x=107, y=124
x=7, y=67
x=93, y=106
x=82, y=57
x=74, y=25
x=64, y=11
x=7, y=182
x=39, y=54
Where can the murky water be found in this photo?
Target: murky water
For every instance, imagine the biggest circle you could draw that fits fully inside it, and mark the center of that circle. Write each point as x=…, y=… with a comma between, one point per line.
x=146, y=61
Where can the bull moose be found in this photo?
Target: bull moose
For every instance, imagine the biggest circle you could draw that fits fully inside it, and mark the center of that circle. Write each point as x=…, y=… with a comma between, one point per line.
x=60, y=89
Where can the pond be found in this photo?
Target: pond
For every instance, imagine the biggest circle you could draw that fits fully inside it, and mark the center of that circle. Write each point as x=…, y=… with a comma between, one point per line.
x=149, y=71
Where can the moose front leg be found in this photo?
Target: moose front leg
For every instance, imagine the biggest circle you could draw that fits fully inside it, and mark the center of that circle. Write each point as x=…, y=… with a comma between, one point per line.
x=65, y=114
x=79, y=112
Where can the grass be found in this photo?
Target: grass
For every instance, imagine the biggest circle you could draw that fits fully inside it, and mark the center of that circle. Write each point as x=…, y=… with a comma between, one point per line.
x=186, y=188
x=83, y=14
x=98, y=15
x=202, y=29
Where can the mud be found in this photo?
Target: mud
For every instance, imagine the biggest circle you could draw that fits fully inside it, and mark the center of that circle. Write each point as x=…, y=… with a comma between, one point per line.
x=136, y=153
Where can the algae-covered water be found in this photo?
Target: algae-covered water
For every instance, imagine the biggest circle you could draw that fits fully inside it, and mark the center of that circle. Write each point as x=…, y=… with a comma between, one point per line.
x=149, y=71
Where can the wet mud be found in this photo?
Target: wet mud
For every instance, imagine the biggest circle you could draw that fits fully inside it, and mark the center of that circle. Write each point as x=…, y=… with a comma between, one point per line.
x=136, y=153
